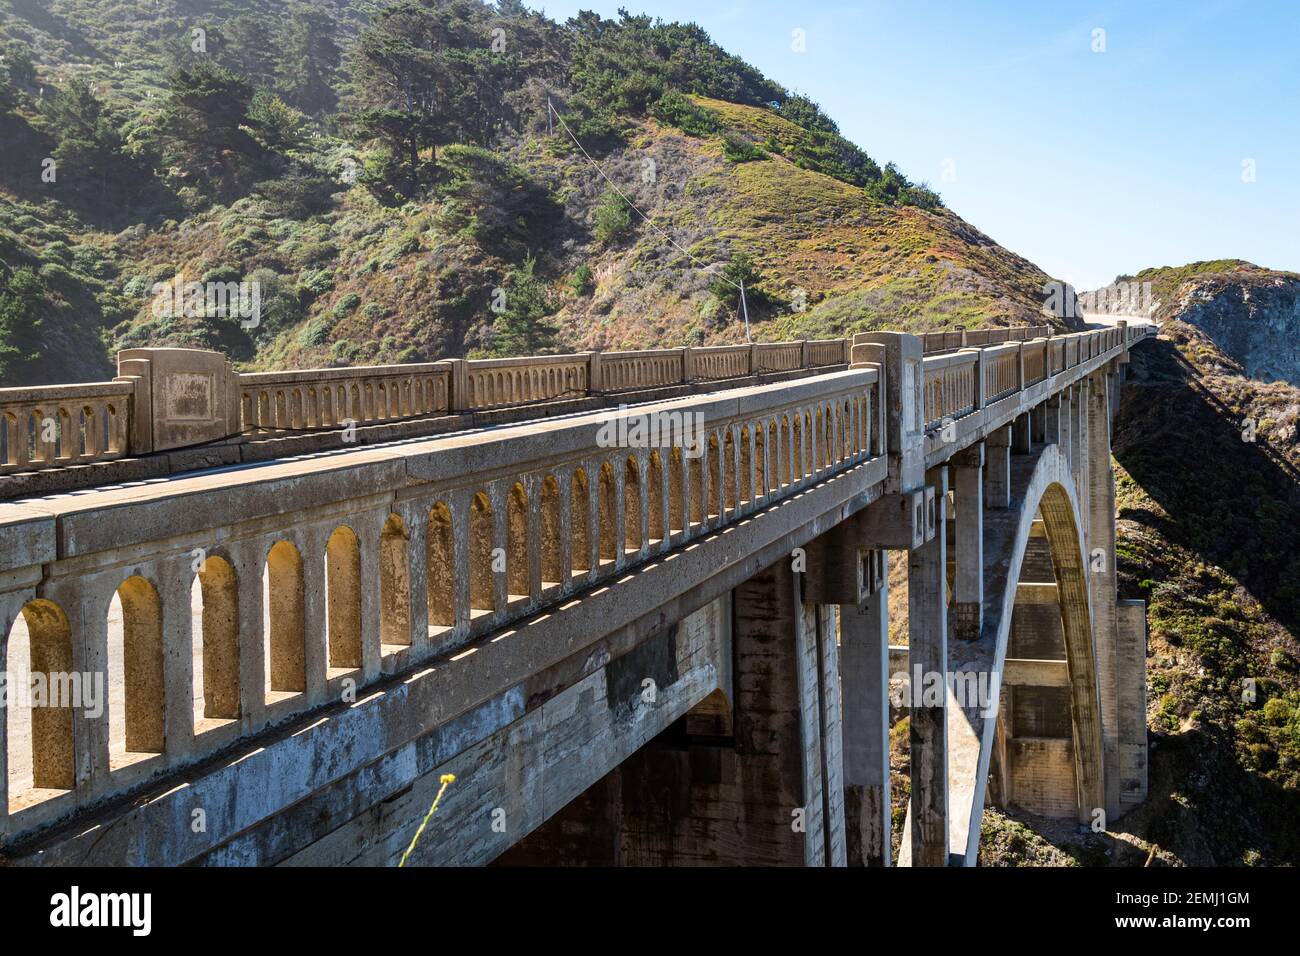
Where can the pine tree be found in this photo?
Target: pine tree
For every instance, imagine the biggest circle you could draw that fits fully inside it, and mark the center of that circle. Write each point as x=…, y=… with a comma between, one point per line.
x=310, y=60
x=523, y=329
x=20, y=296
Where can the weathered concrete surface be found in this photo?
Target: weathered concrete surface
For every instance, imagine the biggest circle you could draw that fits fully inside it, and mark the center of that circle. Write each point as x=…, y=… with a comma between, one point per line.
x=1040, y=482
x=520, y=661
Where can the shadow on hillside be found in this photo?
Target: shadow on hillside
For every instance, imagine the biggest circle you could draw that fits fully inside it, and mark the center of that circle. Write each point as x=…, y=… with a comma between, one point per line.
x=34, y=12
x=104, y=201
x=1219, y=812
x=1227, y=499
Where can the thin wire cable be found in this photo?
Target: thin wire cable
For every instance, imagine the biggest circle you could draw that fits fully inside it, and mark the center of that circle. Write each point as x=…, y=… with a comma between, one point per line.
x=622, y=195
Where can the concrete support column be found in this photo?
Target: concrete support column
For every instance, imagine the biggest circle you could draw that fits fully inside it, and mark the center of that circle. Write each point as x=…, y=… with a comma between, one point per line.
x=1067, y=424
x=316, y=649
x=830, y=732
x=1052, y=420
x=1083, y=449
x=1021, y=437
x=1038, y=423
x=1100, y=502
x=864, y=674
x=774, y=750
x=1077, y=413
x=1131, y=660
x=927, y=608
x=968, y=587
x=997, y=468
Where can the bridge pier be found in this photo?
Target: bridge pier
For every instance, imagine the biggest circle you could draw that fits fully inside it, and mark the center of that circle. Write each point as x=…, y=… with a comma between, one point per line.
x=968, y=585
x=864, y=669
x=997, y=468
x=757, y=782
x=927, y=625
x=1100, y=516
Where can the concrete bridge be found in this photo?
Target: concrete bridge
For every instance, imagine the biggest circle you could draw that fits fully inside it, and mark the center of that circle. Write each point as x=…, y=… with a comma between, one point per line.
x=637, y=603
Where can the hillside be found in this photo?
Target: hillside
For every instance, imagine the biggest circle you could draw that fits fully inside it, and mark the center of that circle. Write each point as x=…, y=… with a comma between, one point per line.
x=1208, y=483
x=418, y=180
x=238, y=141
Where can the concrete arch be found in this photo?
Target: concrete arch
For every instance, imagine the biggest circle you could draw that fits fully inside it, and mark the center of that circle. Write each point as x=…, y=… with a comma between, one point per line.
x=1040, y=483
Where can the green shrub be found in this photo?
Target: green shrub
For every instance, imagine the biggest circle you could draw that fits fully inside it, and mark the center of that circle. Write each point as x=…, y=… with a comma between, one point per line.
x=583, y=282
x=342, y=352
x=346, y=305
x=315, y=332
x=1278, y=711
x=676, y=110
x=738, y=149
x=613, y=219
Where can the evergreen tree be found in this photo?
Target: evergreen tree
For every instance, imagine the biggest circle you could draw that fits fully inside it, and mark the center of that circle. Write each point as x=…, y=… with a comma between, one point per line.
x=18, y=58
x=8, y=95
x=88, y=143
x=523, y=329
x=246, y=42
x=309, y=61
x=21, y=292
x=202, y=128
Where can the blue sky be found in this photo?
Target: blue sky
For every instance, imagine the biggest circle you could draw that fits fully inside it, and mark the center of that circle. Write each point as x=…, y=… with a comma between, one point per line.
x=1090, y=164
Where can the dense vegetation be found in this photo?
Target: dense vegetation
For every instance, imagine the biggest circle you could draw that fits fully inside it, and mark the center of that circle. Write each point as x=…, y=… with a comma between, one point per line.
x=381, y=169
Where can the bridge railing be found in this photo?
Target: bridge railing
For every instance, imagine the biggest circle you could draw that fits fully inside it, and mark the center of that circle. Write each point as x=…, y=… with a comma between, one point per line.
x=494, y=383
x=173, y=398
x=951, y=386
x=957, y=383
x=324, y=398
x=60, y=425
x=284, y=588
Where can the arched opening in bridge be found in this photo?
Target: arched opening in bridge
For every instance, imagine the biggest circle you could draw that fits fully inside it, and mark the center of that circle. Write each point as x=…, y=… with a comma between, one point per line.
x=606, y=506
x=853, y=426
x=655, y=498
x=847, y=427
x=773, y=451
x=343, y=600
x=747, y=463
x=676, y=492
x=517, y=544
x=789, y=455
x=824, y=437
x=715, y=480
x=580, y=523
x=729, y=471
x=1047, y=751
x=697, y=485
x=42, y=691
x=482, y=579
x=631, y=506
x=284, y=619
x=214, y=603
x=136, y=699
x=439, y=562
x=551, y=529
x=810, y=445
x=394, y=586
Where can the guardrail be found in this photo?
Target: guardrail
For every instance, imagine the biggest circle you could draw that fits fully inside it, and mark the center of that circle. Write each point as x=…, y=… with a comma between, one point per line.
x=285, y=585
x=60, y=425
x=1002, y=370
x=56, y=426
x=323, y=398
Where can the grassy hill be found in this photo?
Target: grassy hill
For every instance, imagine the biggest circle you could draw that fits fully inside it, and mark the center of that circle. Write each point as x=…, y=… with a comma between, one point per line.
x=288, y=171
x=457, y=216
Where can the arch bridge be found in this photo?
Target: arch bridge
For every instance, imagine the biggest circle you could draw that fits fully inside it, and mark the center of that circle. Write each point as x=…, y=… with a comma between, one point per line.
x=636, y=603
